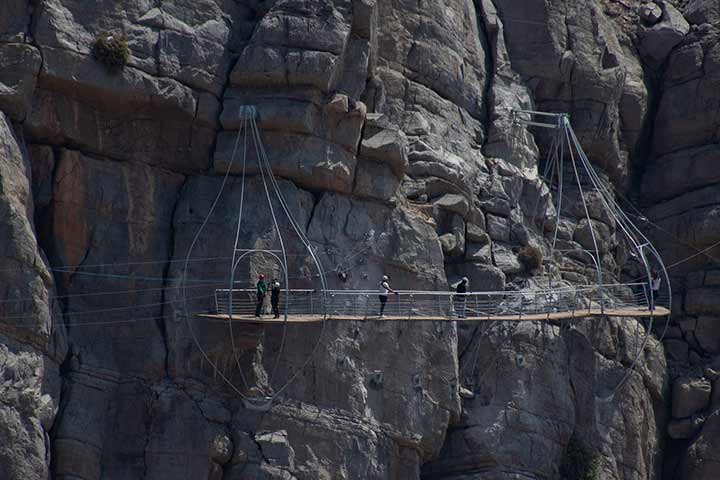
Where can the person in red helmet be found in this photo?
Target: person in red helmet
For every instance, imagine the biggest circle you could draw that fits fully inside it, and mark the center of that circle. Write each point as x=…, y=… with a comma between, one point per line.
x=261, y=291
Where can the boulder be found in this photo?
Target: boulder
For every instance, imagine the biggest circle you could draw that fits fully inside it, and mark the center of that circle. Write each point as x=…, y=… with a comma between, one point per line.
x=476, y=233
x=32, y=338
x=579, y=72
x=375, y=180
x=29, y=400
x=595, y=206
x=481, y=277
x=384, y=144
x=505, y=259
x=345, y=128
x=428, y=162
x=450, y=244
x=479, y=252
x=693, y=165
x=685, y=63
x=453, y=69
x=21, y=65
x=496, y=205
x=685, y=116
x=701, y=460
x=67, y=71
x=584, y=235
x=702, y=11
x=519, y=234
x=276, y=449
x=452, y=203
x=659, y=39
x=690, y=396
x=299, y=50
x=455, y=226
x=712, y=373
x=707, y=334
x=312, y=162
x=651, y=13
x=498, y=228
x=279, y=114
x=27, y=284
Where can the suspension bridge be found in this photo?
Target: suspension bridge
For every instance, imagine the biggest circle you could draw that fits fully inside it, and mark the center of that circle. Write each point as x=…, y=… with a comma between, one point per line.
x=559, y=301
x=311, y=306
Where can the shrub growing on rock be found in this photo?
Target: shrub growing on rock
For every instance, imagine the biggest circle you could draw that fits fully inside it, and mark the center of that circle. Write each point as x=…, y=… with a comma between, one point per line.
x=112, y=50
x=530, y=257
x=578, y=463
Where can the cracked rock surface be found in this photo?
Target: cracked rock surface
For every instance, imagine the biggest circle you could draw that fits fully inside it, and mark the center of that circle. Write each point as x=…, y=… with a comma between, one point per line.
x=387, y=124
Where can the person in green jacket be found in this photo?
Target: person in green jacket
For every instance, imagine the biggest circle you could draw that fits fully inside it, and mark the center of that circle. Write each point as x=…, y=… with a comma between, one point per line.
x=261, y=291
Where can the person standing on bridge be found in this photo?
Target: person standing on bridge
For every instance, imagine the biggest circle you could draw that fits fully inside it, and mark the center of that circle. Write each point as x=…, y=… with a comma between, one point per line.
x=275, y=297
x=655, y=287
x=461, y=297
x=385, y=290
x=261, y=291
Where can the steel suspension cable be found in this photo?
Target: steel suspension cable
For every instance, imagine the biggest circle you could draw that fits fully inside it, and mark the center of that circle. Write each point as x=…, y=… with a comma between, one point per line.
x=262, y=166
x=187, y=261
x=318, y=265
x=246, y=113
x=621, y=219
x=587, y=212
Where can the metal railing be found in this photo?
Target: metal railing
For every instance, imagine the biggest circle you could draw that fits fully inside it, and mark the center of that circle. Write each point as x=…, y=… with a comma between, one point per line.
x=440, y=304
x=244, y=301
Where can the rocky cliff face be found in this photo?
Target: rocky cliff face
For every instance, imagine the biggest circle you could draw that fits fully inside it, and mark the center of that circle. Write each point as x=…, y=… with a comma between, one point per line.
x=388, y=123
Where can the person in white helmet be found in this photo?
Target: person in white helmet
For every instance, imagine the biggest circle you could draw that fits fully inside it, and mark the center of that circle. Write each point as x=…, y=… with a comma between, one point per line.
x=655, y=281
x=385, y=290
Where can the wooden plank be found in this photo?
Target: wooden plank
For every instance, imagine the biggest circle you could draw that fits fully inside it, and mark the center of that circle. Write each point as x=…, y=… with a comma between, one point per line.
x=535, y=317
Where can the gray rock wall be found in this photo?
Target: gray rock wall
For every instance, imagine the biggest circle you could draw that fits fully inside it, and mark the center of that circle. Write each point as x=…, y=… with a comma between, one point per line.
x=680, y=186
x=388, y=124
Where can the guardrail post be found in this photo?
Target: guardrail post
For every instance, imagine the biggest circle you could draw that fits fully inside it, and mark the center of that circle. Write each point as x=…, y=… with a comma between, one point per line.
x=577, y=296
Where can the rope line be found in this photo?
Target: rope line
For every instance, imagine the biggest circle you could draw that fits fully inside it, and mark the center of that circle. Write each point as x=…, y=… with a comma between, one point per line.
x=185, y=270
x=250, y=130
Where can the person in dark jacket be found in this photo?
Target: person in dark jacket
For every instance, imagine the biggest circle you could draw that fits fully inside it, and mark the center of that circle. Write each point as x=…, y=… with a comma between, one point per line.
x=385, y=290
x=275, y=297
x=461, y=297
x=261, y=291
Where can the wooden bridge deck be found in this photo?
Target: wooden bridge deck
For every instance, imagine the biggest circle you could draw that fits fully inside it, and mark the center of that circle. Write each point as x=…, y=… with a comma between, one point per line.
x=533, y=317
